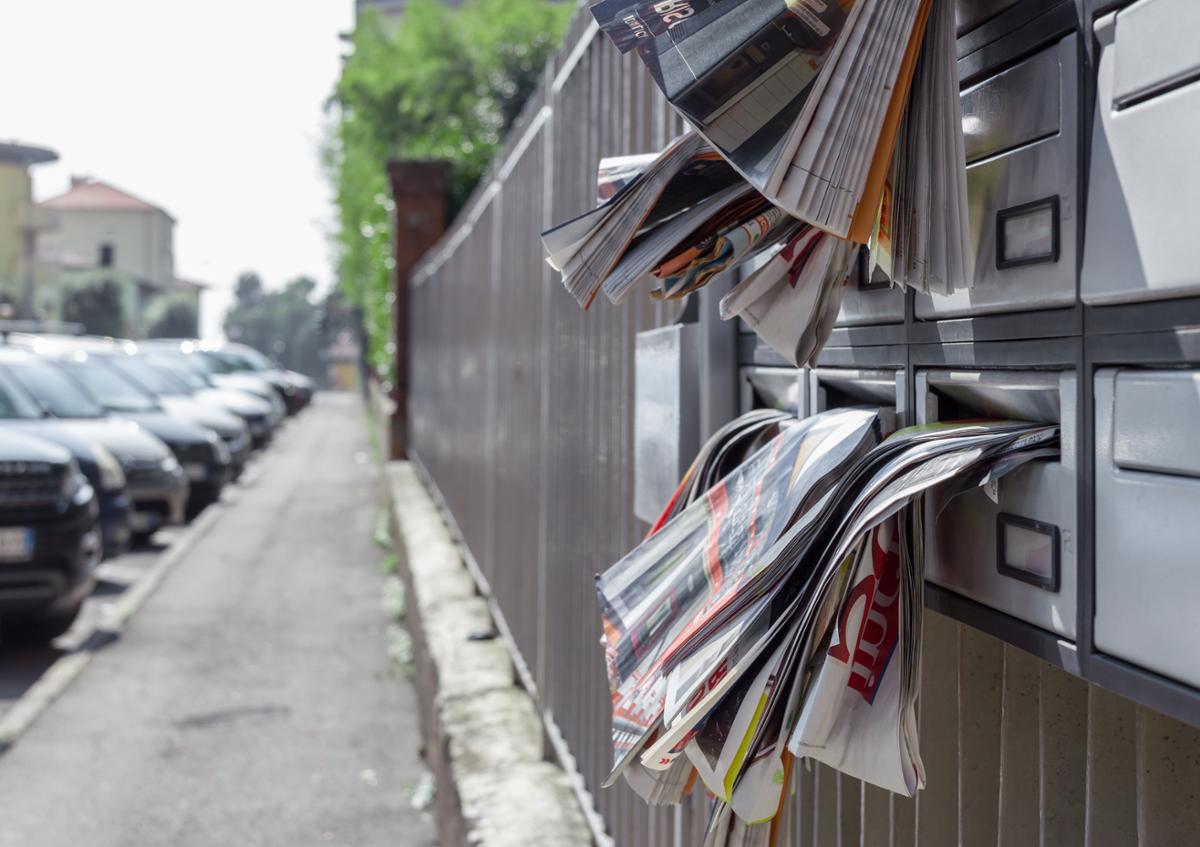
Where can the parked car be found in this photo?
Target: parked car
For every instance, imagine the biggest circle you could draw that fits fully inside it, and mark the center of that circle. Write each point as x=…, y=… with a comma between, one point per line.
x=297, y=389
x=204, y=456
x=155, y=481
x=21, y=416
x=171, y=376
x=103, y=351
x=49, y=540
x=188, y=356
x=230, y=359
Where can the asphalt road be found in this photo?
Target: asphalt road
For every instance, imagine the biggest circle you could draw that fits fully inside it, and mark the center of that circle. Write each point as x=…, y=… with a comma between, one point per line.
x=251, y=700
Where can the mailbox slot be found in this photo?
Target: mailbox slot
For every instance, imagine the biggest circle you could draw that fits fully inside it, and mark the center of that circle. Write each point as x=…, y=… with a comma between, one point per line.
x=665, y=415
x=1014, y=553
x=839, y=388
x=785, y=389
x=1144, y=185
x=1147, y=505
x=1021, y=134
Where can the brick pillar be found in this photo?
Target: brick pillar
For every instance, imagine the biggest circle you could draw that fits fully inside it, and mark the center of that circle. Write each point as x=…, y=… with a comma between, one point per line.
x=419, y=190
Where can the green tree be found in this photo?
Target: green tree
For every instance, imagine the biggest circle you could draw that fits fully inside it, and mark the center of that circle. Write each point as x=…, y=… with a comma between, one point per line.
x=283, y=324
x=446, y=85
x=98, y=305
x=248, y=289
x=175, y=317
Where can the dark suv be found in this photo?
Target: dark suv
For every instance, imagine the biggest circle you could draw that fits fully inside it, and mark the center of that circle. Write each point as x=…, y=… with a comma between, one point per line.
x=19, y=414
x=49, y=541
x=153, y=477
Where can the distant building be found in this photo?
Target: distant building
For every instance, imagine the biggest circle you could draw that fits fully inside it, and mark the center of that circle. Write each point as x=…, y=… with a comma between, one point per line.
x=106, y=233
x=24, y=280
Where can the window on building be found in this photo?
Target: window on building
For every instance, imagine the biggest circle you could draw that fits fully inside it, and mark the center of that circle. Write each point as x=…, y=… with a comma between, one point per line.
x=107, y=251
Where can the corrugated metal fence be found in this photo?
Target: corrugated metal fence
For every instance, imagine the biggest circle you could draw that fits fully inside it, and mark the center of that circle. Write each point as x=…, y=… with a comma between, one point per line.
x=522, y=418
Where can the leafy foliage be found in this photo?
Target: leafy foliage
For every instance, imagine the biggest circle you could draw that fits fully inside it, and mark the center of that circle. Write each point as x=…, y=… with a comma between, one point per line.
x=174, y=317
x=284, y=324
x=446, y=85
x=98, y=305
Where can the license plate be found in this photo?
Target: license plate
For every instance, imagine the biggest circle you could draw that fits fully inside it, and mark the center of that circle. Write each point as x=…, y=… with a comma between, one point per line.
x=195, y=471
x=16, y=544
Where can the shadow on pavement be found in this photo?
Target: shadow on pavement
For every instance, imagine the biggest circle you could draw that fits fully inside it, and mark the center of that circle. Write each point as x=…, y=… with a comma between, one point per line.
x=21, y=666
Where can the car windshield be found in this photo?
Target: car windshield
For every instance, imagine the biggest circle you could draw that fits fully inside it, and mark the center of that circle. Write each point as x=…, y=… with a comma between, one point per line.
x=215, y=363
x=253, y=360
x=241, y=359
x=109, y=387
x=14, y=402
x=148, y=377
x=54, y=390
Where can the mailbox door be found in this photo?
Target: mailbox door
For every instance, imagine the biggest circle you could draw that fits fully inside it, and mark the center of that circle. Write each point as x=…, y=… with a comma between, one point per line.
x=870, y=298
x=1020, y=128
x=1147, y=514
x=869, y=304
x=1013, y=548
x=1144, y=186
x=665, y=414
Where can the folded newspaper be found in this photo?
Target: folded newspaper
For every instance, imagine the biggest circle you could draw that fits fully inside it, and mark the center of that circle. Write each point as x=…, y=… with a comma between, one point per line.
x=820, y=129
x=776, y=614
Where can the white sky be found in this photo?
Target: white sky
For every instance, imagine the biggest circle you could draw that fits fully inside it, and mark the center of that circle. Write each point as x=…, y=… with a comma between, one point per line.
x=211, y=110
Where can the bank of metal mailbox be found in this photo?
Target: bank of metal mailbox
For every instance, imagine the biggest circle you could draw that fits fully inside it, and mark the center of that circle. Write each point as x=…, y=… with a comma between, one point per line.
x=1021, y=134
x=1147, y=514
x=839, y=388
x=1014, y=553
x=666, y=414
x=785, y=389
x=1144, y=184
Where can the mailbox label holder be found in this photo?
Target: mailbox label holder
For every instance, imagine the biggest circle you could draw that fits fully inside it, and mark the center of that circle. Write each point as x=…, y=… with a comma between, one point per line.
x=1047, y=578
x=1017, y=213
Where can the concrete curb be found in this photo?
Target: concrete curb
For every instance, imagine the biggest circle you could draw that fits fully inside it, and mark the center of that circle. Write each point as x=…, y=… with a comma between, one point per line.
x=483, y=735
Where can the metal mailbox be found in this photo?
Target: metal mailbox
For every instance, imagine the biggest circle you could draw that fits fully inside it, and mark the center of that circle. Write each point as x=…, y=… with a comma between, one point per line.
x=870, y=298
x=1147, y=507
x=785, y=389
x=1011, y=548
x=1021, y=133
x=837, y=388
x=1144, y=184
x=666, y=414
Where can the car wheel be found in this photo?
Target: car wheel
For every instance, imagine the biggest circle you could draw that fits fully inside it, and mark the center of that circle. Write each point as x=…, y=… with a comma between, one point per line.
x=22, y=630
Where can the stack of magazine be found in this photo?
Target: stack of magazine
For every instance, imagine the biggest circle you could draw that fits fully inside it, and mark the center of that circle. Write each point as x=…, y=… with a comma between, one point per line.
x=777, y=614
x=822, y=131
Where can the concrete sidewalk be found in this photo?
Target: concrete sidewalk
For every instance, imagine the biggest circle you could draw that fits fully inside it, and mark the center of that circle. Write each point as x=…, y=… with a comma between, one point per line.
x=251, y=701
